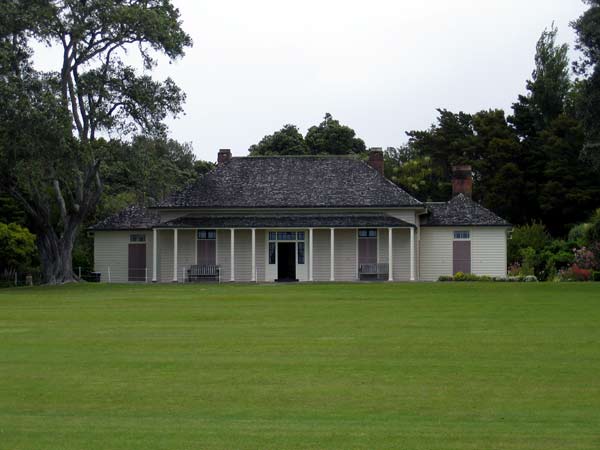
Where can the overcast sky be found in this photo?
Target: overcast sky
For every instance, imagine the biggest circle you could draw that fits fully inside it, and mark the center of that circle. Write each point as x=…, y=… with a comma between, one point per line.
x=379, y=66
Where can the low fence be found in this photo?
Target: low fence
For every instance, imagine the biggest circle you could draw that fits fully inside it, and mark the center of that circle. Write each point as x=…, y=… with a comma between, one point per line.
x=13, y=278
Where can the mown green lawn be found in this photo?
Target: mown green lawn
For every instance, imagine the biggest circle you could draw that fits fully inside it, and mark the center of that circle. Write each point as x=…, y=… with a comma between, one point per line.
x=367, y=366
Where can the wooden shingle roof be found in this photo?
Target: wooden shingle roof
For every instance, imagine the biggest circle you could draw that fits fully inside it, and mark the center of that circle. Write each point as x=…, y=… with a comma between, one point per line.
x=291, y=182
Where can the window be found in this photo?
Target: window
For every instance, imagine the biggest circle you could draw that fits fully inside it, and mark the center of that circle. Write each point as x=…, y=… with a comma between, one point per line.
x=300, y=252
x=286, y=236
x=207, y=234
x=367, y=233
x=462, y=235
x=137, y=238
x=272, y=252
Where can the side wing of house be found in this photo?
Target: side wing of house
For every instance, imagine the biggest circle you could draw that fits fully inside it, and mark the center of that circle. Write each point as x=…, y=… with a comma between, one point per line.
x=447, y=250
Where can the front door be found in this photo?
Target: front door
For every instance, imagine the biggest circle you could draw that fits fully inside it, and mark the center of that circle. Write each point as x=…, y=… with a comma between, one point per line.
x=286, y=261
x=137, y=262
x=461, y=258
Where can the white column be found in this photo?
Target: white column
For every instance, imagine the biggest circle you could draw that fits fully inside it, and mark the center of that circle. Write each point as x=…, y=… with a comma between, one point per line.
x=154, y=256
x=253, y=254
x=390, y=256
x=412, y=254
x=175, y=255
x=310, y=254
x=232, y=255
x=332, y=254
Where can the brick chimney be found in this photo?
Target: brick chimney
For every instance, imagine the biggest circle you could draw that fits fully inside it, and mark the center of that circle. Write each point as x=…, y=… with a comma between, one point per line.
x=376, y=159
x=224, y=156
x=462, y=180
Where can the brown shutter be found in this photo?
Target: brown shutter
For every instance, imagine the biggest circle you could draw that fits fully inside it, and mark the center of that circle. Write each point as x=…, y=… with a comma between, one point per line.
x=137, y=262
x=367, y=251
x=461, y=258
x=207, y=252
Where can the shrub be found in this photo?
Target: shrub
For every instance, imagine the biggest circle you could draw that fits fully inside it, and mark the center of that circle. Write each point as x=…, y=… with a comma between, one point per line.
x=17, y=247
x=596, y=276
x=575, y=273
x=459, y=276
x=530, y=260
x=578, y=234
x=534, y=235
x=585, y=258
x=514, y=269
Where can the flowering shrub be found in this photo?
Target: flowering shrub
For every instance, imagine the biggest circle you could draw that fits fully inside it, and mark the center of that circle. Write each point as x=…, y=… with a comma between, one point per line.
x=514, y=269
x=575, y=273
x=585, y=258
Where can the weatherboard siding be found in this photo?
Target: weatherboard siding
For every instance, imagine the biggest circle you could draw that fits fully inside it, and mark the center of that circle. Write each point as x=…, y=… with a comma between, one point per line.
x=165, y=256
x=436, y=253
x=224, y=254
x=409, y=216
x=111, y=250
x=321, y=256
x=401, y=255
x=345, y=255
x=243, y=255
x=260, y=255
x=488, y=251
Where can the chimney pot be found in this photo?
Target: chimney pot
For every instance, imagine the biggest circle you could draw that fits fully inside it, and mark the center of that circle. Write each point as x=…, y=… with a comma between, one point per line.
x=462, y=180
x=223, y=156
x=376, y=159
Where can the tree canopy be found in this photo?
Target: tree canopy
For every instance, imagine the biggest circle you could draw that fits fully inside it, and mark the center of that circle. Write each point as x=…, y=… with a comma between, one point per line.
x=328, y=138
x=51, y=151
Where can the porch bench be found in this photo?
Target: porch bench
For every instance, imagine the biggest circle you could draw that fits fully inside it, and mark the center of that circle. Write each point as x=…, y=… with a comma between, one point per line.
x=373, y=270
x=203, y=272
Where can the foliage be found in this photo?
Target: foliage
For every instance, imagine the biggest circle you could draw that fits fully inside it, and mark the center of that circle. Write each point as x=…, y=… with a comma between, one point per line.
x=575, y=273
x=592, y=232
x=332, y=138
x=50, y=153
x=17, y=247
x=287, y=141
x=409, y=170
x=587, y=102
x=596, y=276
x=585, y=259
x=578, y=233
x=534, y=236
x=460, y=276
x=328, y=138
x=530, y=261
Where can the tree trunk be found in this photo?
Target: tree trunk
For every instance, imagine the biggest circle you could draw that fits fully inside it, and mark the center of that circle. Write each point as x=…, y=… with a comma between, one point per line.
x=56, y=255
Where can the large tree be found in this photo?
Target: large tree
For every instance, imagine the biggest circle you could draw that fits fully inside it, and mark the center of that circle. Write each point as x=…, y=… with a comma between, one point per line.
x=588, y=68
x=51, y=124
x=287, y=141
x=332, y=138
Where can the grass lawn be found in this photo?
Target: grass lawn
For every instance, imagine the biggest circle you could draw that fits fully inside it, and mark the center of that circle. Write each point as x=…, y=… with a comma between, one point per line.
x=366, y=366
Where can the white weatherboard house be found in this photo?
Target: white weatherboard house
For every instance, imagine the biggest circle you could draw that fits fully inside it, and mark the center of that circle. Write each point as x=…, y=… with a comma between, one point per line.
x=322, y=218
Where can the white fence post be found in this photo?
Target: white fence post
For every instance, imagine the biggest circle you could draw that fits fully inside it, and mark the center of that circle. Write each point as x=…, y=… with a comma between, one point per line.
x=79, y=273
x=109, y=274
x=146, y=276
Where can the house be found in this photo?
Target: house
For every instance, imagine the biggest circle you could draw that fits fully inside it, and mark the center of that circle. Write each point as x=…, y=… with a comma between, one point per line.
x=314, y=218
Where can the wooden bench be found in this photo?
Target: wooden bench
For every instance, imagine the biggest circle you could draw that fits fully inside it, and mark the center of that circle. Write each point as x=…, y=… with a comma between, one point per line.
x=203, y=272
x=373, y=270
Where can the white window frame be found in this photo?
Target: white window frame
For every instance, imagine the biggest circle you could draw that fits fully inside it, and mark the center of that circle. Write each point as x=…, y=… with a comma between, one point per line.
x=462, y=235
